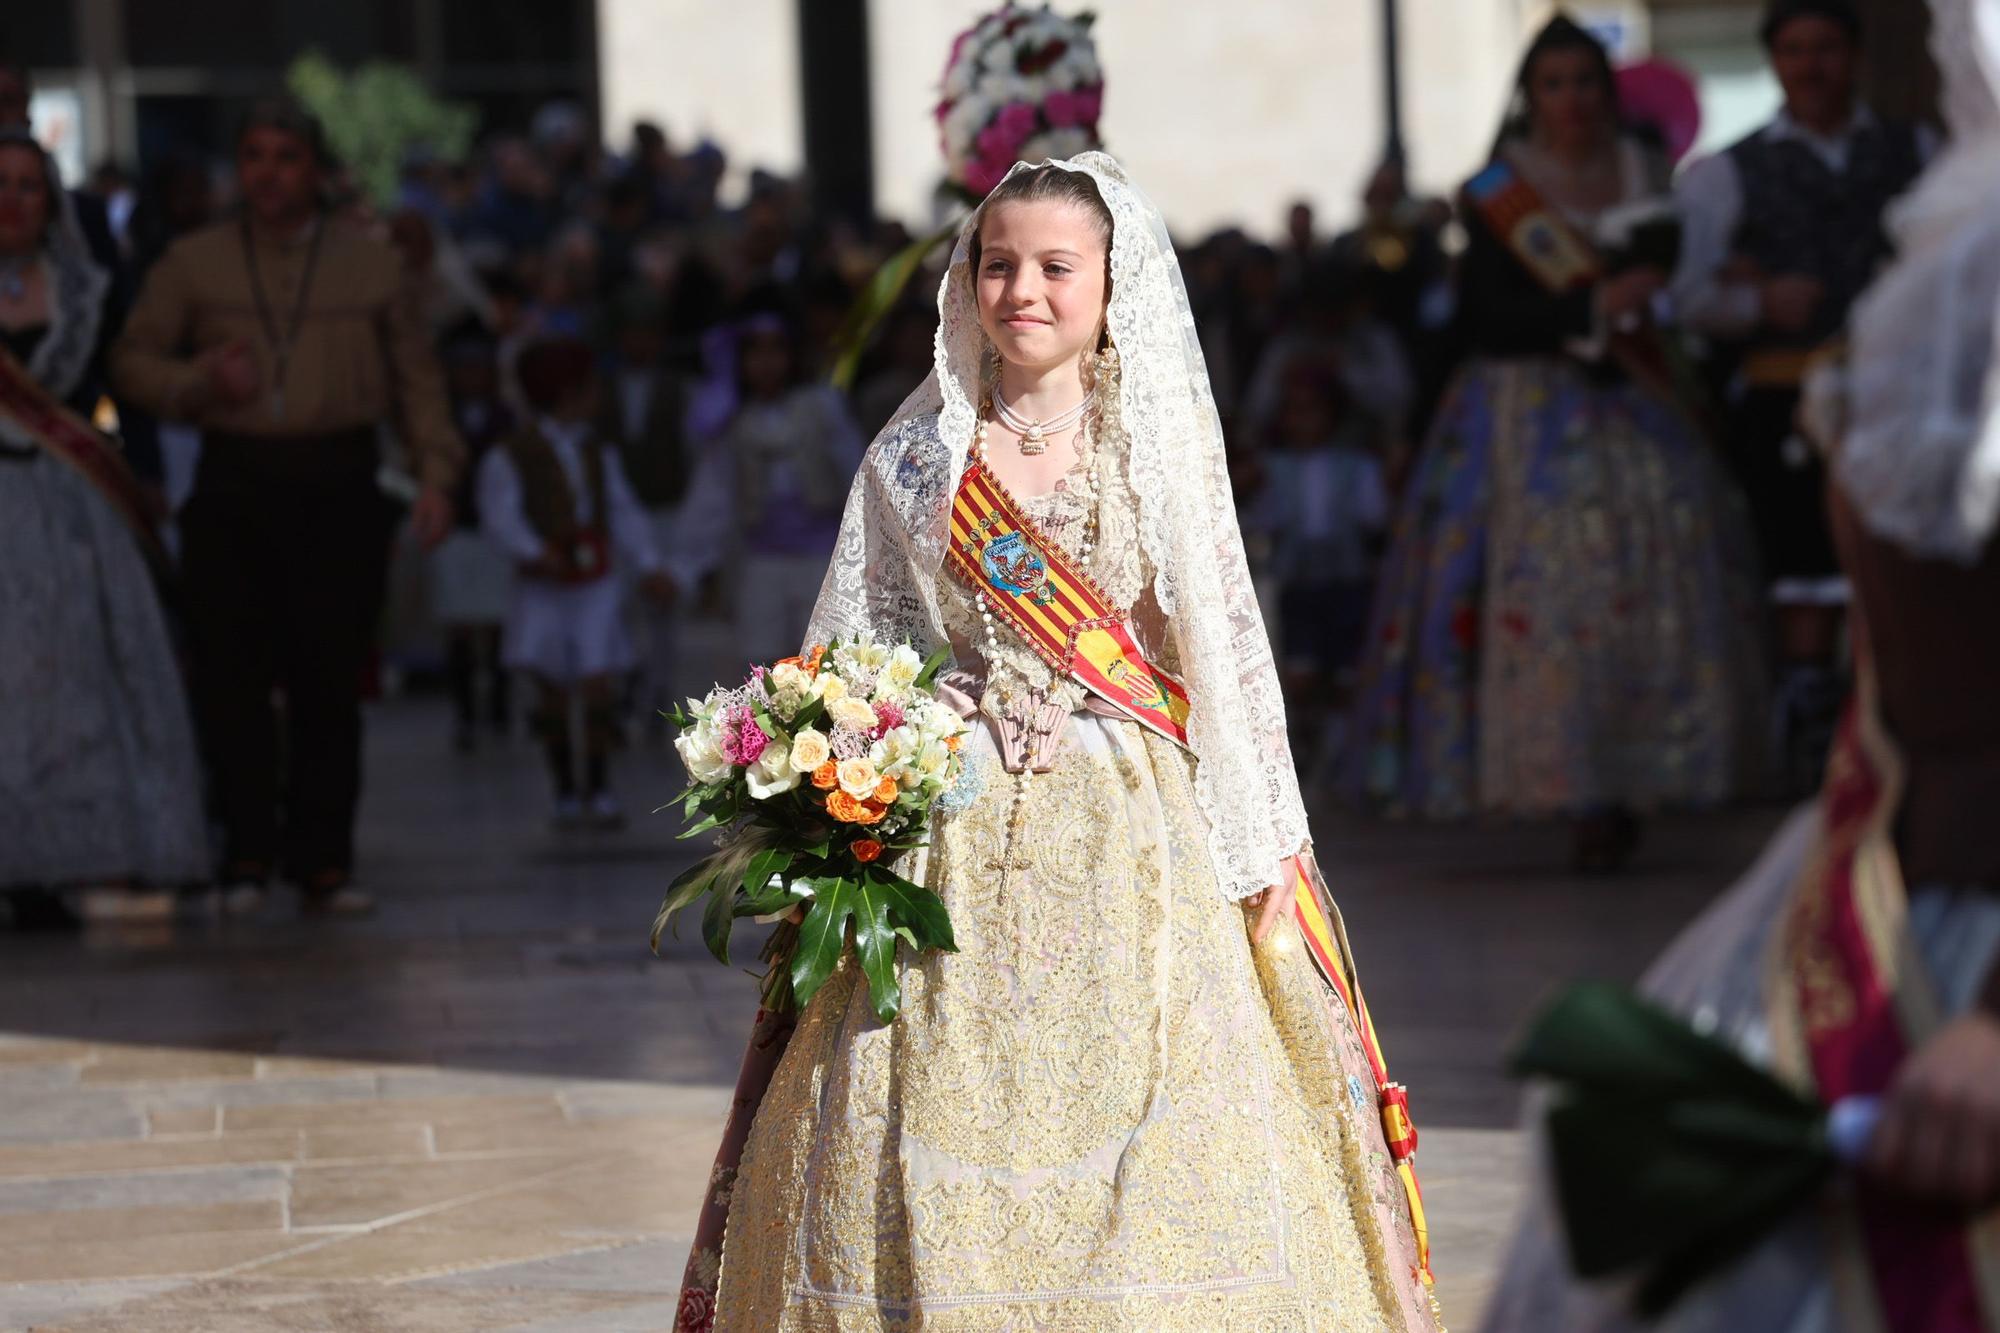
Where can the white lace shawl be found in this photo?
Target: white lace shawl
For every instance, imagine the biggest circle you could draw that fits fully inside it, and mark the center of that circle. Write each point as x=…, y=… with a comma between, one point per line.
x=887, y=563
x=1919, y=448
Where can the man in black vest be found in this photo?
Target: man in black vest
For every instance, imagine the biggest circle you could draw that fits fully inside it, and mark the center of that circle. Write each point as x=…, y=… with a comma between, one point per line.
x=1783, y=232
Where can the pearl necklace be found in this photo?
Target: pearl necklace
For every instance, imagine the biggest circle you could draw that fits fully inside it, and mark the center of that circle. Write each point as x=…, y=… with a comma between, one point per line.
x=1034, y=434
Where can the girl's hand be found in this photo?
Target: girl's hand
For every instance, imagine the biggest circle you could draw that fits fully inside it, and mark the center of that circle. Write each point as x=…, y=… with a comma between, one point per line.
x=1274, y=904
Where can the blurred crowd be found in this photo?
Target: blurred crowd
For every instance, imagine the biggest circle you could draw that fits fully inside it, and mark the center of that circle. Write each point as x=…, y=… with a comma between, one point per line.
x=669, y=323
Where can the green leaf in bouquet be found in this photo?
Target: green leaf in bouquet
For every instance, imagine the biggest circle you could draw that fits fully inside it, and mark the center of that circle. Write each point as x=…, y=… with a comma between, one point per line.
x=934, y=664
x=822, y=937
x=685, y=888
x=717, y=920
x=915, y=906
x=763, y=868
x=875, y=946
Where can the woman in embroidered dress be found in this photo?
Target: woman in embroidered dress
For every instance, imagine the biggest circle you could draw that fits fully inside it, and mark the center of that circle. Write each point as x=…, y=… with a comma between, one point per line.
x=1861, y=954
x=99, y=783
x=1566, y=623
x=1129, y=1101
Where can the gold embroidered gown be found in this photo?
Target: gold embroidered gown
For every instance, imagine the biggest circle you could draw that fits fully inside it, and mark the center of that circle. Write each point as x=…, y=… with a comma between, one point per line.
x=1106, y=1111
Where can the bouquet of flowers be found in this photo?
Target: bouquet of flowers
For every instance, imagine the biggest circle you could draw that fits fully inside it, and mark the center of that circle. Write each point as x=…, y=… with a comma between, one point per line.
x=820, y=771
x=1021, y=85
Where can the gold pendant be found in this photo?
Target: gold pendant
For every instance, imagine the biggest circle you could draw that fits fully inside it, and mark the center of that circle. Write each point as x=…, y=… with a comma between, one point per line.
x=1034, y=442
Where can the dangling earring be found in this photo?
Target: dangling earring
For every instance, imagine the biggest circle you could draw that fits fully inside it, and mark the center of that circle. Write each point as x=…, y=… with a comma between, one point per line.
x=1105, y=364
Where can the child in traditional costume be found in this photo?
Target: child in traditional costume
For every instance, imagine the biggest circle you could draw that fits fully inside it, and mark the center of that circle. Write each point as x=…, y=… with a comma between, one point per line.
x=556, y=499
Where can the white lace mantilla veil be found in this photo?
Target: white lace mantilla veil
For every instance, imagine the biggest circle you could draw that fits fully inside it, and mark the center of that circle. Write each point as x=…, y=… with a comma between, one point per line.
x=883, y=577
x=1919, y=445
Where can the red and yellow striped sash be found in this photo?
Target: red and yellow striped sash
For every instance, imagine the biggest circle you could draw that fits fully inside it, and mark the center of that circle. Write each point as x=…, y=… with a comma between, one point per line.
x=1038, y=589
x=1326, y=941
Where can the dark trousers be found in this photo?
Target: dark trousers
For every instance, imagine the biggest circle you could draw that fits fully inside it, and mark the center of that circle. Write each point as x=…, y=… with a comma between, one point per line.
x=285, y=548
x=1785, y=482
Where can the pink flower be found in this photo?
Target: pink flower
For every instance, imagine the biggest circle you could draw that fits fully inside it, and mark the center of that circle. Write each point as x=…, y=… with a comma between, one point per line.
x=1089, y=104
x=943, y=109
x=743, y=741
x=1064, y=110
x=982, y=174
x=888, y=716
x=1017, y=119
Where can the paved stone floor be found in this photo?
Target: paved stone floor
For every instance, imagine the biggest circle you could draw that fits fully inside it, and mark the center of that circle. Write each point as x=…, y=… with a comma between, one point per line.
x=489, y=1107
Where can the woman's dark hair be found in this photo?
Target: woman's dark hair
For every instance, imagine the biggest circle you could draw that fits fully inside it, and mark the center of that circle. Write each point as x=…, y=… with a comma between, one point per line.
x=1561, y=33
x=1049, y=184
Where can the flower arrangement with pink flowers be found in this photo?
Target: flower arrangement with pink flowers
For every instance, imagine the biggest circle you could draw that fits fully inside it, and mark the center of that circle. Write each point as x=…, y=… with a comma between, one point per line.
x=821, y=771
x=1022, y=85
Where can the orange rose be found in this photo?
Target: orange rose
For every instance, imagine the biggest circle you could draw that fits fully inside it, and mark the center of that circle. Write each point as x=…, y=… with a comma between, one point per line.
x=846, y=809
x=827, y=776
x=885, y=791
x=953, y=742
x=813, y=659
x=788, y=661
x=872, y=812
x=865, y=849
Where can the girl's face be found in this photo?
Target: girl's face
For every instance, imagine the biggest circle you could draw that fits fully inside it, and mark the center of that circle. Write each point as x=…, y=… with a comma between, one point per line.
x=24, y=200
x=1567, y=99
x=1042, y=281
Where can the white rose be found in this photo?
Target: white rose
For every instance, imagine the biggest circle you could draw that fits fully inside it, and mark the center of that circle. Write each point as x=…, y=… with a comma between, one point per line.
x=901, y=670
x=772, y=773
x=810, y=749
x=858, y=778
x=829, y=687
x=852, y=712
x=789, y=678
x=959, y=81
x=700, y=749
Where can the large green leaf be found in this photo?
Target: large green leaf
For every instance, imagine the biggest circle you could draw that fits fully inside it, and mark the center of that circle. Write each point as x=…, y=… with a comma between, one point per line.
x=763, y=868
x=917, y=908
x=884, y=289
x=879, y=908
x=822, y=937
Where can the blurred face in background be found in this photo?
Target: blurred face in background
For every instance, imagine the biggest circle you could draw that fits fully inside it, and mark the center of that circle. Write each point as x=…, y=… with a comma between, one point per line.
x=1569, y=105
x=279, y=177
x=1814, y=60
x=13, y=97
x=1041, y=283
x=24, y=200
x=764, y=362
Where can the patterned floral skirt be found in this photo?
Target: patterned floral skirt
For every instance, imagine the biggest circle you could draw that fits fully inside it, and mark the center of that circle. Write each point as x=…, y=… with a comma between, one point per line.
x=1105, y=1112
x=1568, y=619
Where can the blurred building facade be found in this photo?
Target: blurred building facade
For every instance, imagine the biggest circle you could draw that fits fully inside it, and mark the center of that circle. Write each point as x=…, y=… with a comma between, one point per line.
x=1282, y=99
x=128, y=80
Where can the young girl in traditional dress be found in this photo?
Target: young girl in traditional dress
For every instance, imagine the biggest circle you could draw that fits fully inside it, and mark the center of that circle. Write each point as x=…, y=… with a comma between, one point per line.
x=555, y=497
x=1126, y=1102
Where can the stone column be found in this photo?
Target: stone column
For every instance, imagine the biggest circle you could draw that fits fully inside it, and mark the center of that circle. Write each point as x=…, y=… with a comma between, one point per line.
x=835, y=86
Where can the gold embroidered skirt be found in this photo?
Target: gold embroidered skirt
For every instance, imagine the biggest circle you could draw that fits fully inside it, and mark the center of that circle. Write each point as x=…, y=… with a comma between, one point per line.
x=1106, y=1112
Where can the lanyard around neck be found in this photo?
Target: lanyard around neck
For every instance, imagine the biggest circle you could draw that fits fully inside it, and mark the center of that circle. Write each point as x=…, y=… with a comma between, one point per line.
x=281, y=341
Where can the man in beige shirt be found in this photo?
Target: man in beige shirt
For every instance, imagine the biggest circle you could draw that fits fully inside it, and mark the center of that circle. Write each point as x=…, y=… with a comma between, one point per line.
x=289, y=336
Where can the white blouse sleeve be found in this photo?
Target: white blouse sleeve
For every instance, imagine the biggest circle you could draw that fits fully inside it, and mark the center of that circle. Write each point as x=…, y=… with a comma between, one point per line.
x=631, y=529
x=501, y=515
